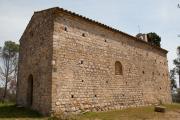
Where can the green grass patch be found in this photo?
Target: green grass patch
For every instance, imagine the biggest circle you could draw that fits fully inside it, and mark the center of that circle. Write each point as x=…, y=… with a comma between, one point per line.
x=130, y=114
x=8, y=111
x=141, y=113
x=173, y=106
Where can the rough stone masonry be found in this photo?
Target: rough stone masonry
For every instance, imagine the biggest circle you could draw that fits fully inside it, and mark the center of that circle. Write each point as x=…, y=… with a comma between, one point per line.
x=70, y=64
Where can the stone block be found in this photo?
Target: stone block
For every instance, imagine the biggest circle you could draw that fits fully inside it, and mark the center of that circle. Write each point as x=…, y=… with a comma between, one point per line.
x=160, y=109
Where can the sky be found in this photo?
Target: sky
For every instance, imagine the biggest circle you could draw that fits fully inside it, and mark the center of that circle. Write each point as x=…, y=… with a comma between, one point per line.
x=130, y=16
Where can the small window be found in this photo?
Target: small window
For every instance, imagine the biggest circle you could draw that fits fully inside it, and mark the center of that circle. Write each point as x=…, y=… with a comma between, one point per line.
x=81, y=62
x=153, y=73
x=84, y=35
x=65, y=28
x=118, y=68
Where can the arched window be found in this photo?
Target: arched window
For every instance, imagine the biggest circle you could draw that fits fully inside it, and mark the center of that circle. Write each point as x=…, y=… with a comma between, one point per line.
x=118, y=68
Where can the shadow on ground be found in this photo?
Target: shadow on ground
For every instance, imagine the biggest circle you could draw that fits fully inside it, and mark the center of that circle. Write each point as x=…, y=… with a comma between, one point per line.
x=11, y=111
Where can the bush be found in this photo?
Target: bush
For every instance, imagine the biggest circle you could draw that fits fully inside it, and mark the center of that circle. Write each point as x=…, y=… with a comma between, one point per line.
x=176, y=96
x=11, y=97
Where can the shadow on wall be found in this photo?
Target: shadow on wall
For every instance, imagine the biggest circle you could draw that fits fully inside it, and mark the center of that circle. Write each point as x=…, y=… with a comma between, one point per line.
x=11, y=111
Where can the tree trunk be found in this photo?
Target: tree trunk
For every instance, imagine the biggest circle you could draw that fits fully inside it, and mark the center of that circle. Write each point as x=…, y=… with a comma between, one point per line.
x=6, y=82
x=5, y=90
x=179, y=78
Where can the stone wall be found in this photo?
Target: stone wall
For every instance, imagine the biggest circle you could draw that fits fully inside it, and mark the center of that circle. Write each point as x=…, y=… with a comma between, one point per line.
x=35, y=60
x=84, y=77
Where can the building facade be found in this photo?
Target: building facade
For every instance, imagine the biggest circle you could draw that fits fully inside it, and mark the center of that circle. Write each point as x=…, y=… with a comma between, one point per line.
x=69, y=63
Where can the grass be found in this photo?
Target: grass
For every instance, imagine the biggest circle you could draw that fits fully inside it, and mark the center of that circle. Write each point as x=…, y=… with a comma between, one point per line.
x=142, y=113
x=130, y=113
x=9, y=111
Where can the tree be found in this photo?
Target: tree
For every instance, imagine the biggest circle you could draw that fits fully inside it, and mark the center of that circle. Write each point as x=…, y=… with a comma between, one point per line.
x=177, y=63
x=154, y=39
x=173, y=79
x=8, y=69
